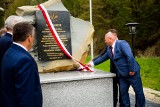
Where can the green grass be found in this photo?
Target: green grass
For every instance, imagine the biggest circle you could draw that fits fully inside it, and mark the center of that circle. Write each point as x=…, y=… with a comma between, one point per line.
x=150, y=71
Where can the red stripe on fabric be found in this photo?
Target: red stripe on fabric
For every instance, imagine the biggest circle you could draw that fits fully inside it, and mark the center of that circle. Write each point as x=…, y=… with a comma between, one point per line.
x=53, y=34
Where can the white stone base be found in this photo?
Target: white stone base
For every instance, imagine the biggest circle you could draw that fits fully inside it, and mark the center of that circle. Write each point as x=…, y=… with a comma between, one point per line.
x=77, y=89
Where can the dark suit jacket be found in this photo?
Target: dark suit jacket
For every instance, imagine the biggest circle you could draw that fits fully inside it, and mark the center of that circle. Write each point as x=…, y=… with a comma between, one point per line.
x=5, y=43
x=123, y=58
x=20, y=79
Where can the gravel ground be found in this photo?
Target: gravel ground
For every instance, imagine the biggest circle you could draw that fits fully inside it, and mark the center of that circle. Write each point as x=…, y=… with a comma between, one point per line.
x=152, y=97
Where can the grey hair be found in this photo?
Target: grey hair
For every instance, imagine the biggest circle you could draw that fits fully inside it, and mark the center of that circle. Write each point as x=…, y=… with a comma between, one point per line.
x=12, y=20
x=111, y=35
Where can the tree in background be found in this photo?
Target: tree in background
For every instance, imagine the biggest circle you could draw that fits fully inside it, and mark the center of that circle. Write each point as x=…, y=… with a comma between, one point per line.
x=106, y=14
x=10, y=9
x=115, y=14
x=1, y=18
x=111, y=14
x=148, y=15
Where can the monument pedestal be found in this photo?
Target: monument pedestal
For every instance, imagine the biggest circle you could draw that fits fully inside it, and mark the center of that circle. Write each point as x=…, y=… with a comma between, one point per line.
x=77, y=89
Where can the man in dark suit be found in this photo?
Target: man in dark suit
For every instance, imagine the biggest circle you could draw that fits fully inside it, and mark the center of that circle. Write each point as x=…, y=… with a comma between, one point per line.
x=19, y=73
x=127, y=69
x=6, y=39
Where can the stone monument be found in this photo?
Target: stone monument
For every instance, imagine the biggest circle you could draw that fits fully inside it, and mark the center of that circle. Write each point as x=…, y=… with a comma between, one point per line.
x=66, y=89
x=76, y=34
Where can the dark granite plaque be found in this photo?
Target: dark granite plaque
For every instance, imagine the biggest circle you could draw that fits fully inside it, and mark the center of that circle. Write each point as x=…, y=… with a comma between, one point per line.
x=47, y=46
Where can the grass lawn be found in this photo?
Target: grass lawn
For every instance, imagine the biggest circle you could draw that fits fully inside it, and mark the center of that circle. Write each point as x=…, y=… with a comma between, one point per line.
x=150, y=70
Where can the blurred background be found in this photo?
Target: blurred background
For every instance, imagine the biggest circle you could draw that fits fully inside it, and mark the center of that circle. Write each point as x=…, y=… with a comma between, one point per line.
x=109, y=14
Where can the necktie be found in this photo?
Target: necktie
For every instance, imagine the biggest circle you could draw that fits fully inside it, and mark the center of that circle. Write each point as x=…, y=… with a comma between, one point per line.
x=111, y=50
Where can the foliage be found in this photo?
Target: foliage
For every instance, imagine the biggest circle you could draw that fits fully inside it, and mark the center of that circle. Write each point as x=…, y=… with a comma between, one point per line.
x=148, y=14
x=111, y=14
x=13, y=4
x=150, y=70
x=1, y=19
x=115, y=14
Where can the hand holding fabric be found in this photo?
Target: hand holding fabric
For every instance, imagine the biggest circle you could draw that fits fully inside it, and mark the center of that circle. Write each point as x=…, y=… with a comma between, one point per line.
x=88, y=64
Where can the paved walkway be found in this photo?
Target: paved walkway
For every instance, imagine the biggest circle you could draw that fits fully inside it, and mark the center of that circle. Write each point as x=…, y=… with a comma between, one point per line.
x=152, y=97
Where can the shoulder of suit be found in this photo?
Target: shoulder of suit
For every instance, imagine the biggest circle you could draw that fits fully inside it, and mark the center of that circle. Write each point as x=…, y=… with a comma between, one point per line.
x=6, y=38
x=119, y=41
x=19, y=49
x=8, y=34
x=22, y=51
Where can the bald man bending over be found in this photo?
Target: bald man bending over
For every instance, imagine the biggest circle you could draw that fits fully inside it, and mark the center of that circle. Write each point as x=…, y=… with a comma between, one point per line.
x=127, y=69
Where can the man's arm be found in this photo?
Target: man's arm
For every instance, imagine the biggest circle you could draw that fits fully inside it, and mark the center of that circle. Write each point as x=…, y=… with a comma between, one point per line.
x=100, y=59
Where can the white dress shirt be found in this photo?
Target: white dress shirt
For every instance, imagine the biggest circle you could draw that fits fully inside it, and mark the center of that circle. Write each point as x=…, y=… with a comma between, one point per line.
x=20, y=46
x=113, y=46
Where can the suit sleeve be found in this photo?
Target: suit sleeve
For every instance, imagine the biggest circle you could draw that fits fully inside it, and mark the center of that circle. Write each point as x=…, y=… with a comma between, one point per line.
x=128, y=53
x=25, y=82
x=4, y=45
x=101, y=58
x=105, y=50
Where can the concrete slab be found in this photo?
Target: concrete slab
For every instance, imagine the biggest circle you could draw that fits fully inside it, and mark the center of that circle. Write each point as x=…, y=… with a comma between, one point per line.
x=77, y=89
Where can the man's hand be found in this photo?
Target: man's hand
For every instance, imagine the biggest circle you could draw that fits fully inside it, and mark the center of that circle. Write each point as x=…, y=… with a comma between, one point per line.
x=88, y=64
x=131, y=73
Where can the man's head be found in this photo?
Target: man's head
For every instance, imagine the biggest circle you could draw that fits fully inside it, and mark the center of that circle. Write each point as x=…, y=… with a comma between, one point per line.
x=11, y=21
x=23, y=33
x=110, y=37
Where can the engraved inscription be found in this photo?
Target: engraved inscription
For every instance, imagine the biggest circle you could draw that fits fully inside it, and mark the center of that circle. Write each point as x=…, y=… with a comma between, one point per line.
x=47, y=46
